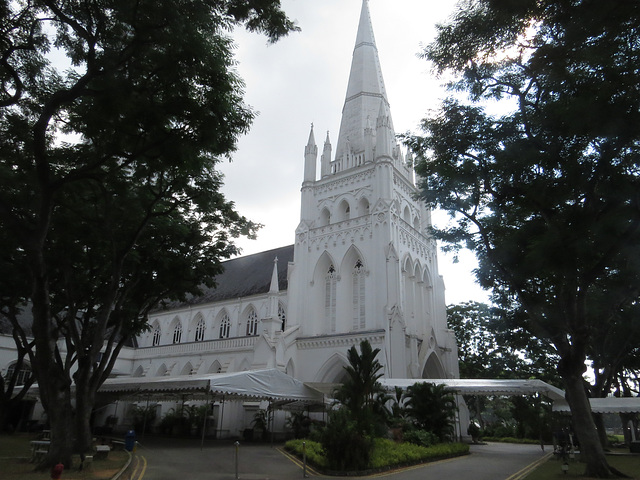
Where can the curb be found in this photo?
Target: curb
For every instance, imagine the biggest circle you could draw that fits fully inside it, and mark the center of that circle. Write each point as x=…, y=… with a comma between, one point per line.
x=125, y=468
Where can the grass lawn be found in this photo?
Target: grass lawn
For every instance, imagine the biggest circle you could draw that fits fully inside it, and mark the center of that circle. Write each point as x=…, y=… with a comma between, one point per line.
x=551, y=470
x=14, y=462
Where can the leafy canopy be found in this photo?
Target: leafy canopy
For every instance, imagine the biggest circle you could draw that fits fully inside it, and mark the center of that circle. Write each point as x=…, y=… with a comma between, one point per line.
x=113, y=116
x=543, y=185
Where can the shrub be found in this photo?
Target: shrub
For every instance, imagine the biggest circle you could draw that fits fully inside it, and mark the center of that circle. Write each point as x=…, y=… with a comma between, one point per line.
x=420, y=437
x=315, y=453
x=432, y=408
x=527, y=441
x=385, y=453
x=346, y=447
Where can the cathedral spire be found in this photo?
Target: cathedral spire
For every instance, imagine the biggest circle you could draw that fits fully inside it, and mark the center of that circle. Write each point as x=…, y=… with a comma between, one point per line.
x=274, y=287
x=365, y=90
x=310, y=158
x=325, y=158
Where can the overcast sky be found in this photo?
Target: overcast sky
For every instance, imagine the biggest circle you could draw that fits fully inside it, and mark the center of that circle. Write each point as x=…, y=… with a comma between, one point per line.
x=302, y=79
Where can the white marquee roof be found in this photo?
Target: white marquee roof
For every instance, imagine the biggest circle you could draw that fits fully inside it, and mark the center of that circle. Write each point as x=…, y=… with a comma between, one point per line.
x=607, y=405
x=481, y=386
x=270, y=384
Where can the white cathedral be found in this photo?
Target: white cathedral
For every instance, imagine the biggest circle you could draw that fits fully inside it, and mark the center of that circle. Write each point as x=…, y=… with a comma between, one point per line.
x=363, y=267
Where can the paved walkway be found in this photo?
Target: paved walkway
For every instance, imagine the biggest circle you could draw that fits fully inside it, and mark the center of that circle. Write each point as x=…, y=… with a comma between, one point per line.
x=164, y=459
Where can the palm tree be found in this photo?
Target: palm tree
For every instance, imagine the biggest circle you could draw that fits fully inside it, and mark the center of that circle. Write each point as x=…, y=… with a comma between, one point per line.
x=432, y=408
x=361, y=386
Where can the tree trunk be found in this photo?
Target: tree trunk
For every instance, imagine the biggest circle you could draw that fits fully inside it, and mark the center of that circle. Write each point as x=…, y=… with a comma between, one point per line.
x=62, y=439
x=584, y=427
x=602, y=432
x=84, y=408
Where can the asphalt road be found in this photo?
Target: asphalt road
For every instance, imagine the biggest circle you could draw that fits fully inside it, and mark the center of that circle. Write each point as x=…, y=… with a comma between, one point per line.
x=171, y=459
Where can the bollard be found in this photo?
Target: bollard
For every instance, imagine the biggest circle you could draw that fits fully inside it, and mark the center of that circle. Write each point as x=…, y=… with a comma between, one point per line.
x=237, y=444
x=304, y=460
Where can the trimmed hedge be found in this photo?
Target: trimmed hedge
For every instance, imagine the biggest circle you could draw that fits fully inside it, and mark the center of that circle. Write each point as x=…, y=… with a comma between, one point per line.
x=386, y=453
x=315, y=452
x=527, y=441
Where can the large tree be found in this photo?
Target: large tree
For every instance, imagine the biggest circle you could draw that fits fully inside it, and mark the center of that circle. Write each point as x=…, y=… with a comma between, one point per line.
x=113, y=115
x=490, y=346
x=540, y=166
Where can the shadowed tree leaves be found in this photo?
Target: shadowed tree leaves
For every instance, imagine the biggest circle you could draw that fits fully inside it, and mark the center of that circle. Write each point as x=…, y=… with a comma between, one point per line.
x=432, y=408
x=113, y=116
x=491, y=347
x=544, y=187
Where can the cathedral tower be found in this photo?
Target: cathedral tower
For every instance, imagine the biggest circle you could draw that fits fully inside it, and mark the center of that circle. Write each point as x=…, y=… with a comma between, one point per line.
x=364, y=265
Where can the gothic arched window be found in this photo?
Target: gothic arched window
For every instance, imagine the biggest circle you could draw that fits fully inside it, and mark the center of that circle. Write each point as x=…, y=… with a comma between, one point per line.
x=23, y=376
x=330, y=298
x=225, y=326
x=177, y=333
x=155, y=341
x=282, y=316
x=252, y=323
x=358, y=296
x=200, y=327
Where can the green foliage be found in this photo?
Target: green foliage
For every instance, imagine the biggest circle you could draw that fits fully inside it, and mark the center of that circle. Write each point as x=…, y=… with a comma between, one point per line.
x=385, y=453
x=361, y=386
x=105, y=160
x=315, y=453
x=523, y=441
x=420, y=437
x=362, y=415
x=261, y=420
x=489, y=346
x=389, y=453
x=346, y=445
x=432, y=408
x=142, y=418
x=300, y=423
x=544, y=187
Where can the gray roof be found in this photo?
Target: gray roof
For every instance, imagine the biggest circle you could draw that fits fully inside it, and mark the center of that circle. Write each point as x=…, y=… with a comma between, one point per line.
x=245, y=276
x=25, y=320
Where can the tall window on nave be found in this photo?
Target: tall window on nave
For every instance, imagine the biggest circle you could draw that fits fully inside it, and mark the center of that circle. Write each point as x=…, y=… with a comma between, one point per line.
x=157, y=333
x=200, y=327
x=330, y=298
x=23, y=375
x=358, y=296
x=177, y=333
x=282, y=316
x=252, y=323
x=225, y=326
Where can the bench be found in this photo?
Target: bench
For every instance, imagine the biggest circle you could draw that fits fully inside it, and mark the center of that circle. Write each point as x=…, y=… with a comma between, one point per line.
x=39, y=448
x=102, y=452
x=87, y=462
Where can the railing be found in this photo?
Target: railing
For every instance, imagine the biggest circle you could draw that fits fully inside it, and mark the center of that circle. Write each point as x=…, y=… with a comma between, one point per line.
x=219, y=345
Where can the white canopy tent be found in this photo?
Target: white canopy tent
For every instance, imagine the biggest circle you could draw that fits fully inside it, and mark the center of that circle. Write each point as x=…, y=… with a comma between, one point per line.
x=606, y=405
x=482, y=386
x=269, y=384
x=281, y=390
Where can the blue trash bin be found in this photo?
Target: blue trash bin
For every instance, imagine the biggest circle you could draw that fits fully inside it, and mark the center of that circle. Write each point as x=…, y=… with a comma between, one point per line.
x=130, y=440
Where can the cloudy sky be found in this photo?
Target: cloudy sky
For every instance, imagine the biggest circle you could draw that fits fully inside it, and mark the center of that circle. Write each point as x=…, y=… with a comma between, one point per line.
x=302, y=80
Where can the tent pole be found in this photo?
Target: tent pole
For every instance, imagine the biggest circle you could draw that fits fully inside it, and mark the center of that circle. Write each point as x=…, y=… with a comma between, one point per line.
x=144, y=418
x=221, y=416
x=271, y=418
x=459, y=422
x=204, y=419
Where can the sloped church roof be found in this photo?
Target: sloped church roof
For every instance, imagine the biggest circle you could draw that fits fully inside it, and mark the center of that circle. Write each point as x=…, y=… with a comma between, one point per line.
x=246, y=276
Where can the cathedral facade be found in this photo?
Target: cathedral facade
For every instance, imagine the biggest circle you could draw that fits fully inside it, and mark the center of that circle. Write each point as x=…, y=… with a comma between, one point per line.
x=363, y=266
